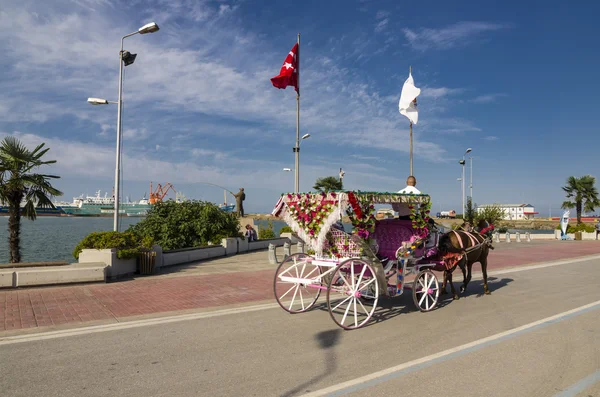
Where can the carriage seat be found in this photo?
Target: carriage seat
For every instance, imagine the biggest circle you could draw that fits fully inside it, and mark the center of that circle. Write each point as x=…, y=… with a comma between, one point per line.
x=391, y=233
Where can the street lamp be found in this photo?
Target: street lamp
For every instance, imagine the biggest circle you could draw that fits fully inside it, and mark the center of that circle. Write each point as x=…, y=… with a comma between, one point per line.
x=125, y=59
x=98, y=101
x=297, y=169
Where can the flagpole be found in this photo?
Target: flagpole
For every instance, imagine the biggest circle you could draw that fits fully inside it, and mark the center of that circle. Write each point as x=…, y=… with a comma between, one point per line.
x=411, y=136
x=297, y=148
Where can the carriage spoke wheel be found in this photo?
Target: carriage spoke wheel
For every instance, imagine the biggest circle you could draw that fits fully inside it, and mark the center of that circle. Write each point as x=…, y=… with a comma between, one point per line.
x=426, y=290
x=296, y=283
x=352, y=294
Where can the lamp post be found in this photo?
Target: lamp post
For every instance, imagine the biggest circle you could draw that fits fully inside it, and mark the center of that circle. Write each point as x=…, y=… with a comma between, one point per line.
x=462, y=189
x=471, y=179
x=126, y=59
x=462, y=162
x=297, y=170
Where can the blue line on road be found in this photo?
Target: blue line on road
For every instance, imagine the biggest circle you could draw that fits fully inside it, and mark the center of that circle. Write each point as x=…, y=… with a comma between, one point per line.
x=580, y=386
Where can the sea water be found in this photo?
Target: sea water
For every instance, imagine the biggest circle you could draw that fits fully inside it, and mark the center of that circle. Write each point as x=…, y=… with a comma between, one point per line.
x=53, y=238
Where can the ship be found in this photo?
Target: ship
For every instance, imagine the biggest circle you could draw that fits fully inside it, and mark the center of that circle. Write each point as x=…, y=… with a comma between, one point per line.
x=104, y=206
x=39, y=211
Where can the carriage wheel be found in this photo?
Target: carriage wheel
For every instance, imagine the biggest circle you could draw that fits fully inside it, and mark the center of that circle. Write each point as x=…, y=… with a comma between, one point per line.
x=352, y=294
x=297, y=296
x=426, y=290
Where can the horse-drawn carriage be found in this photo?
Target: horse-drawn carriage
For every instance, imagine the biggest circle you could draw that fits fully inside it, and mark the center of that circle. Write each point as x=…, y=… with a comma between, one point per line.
x=356, y=268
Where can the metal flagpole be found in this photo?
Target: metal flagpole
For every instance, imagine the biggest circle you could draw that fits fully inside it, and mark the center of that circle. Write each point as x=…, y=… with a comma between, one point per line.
x=411, y=135
x=297, y=148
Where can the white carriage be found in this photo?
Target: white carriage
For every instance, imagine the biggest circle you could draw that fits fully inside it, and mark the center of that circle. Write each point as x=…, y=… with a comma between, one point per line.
x=356, y=268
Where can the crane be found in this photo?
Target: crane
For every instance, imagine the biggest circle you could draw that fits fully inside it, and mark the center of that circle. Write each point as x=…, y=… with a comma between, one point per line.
x=160, y=193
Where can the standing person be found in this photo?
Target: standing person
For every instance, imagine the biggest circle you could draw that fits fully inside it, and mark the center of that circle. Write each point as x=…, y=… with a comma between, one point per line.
x=239, y=198
x=597, y=229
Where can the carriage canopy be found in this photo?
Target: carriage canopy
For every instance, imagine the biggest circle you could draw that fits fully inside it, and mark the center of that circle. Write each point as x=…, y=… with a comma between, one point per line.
x=311, y=215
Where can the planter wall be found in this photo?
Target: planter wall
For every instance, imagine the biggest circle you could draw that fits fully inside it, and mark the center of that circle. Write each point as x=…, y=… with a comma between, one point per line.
x=115, y=267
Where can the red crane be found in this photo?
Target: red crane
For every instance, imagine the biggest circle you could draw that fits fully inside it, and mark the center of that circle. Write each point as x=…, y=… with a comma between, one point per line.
x=160, y=193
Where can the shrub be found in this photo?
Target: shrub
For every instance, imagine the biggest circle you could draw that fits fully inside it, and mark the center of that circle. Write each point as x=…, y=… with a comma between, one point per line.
x=286, y=229
x=185, y=225
x=582, y=227
x=128, y=244
x=267, y=232
x=502, y=229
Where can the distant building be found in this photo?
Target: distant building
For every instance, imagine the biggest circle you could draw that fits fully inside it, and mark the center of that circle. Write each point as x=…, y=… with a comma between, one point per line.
x=513, y=212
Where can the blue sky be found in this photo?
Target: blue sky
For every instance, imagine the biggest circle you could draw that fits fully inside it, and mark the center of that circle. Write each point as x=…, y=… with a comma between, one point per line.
x=514, y=81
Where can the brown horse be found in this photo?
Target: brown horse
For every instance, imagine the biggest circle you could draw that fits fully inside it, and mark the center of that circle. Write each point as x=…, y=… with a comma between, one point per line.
x=466, y=247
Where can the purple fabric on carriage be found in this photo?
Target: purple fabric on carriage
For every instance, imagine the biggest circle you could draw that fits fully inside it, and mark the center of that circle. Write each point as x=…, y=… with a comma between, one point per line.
x=391, y=233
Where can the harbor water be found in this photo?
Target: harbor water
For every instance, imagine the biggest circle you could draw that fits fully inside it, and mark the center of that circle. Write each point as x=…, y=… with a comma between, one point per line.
x=53, y=238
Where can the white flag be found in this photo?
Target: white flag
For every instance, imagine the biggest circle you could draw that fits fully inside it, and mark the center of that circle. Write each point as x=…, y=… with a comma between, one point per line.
x=407, y=106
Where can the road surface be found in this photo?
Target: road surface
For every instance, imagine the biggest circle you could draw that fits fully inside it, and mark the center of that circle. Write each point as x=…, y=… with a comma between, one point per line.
x=537, y=334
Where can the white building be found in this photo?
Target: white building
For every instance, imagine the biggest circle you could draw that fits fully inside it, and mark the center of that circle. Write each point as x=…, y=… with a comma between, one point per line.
x=513, y=212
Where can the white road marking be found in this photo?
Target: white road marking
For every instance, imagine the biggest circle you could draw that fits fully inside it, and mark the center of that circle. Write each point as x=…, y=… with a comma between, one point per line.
x=402, y=369
x=217, y=313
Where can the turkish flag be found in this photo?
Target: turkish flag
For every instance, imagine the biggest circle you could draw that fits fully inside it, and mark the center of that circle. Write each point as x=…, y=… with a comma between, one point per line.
x=288, y=75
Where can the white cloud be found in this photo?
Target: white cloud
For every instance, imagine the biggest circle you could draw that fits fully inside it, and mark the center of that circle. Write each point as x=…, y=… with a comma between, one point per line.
x=195, y=83
x=381, y=25
x=451, y=36
x=490, y=138
x=435, y=93
x=487, y=98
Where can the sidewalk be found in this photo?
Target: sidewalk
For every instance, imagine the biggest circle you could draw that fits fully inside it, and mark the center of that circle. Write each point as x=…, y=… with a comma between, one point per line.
x=226, y=281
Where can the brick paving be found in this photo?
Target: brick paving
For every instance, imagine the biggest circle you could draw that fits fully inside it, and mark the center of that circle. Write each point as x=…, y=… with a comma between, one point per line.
x=55, y=306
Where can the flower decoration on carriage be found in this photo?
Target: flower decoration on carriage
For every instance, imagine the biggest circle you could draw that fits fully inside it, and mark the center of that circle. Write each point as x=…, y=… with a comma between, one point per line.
x=362, y=216
x=310, y=212
x=420, y=215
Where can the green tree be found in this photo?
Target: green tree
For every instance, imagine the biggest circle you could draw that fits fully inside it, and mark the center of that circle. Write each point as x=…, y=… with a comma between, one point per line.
x=582, y=193
x=19, y=183
x=188, y=224
x=470, y=213
x=327, y=184
x=490, y=213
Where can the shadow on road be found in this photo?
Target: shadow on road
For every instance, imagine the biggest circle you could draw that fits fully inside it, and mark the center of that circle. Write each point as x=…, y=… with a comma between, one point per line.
x=326, y=341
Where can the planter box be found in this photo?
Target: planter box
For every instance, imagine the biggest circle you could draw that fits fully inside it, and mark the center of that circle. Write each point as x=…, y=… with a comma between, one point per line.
x=186, y=255
x=231, y=245
x=290, y=237
x=264, y=244
x=242, y=245
x=115, y=267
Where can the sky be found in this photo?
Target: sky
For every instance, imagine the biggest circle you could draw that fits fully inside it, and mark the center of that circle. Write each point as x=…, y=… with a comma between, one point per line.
x=515, y=81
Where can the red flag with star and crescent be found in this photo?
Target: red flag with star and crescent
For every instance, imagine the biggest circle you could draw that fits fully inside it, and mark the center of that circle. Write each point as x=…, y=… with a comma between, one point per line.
x=288, y=75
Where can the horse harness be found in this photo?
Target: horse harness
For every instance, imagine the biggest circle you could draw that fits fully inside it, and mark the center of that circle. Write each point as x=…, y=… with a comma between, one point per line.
x=474, y=241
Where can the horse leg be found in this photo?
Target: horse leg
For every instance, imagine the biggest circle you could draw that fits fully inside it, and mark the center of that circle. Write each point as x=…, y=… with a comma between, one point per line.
x=483, y=261
x=469, y=266
x=454, y=294
x=443, y=292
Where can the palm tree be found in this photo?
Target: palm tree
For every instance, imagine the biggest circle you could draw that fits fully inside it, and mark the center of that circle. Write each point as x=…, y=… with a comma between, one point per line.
x=327, y=184
x=583, y=195
x=18, y=183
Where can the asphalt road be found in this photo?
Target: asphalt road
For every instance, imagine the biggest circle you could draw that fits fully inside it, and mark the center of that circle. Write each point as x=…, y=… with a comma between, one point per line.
x=550, y=318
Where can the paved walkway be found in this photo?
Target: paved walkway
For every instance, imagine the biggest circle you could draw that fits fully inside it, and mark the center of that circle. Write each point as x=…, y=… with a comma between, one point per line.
x=220, y=282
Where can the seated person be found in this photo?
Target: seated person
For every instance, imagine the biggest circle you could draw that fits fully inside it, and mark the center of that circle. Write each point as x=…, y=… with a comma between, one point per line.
x=250, y=233
x=402, y=208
